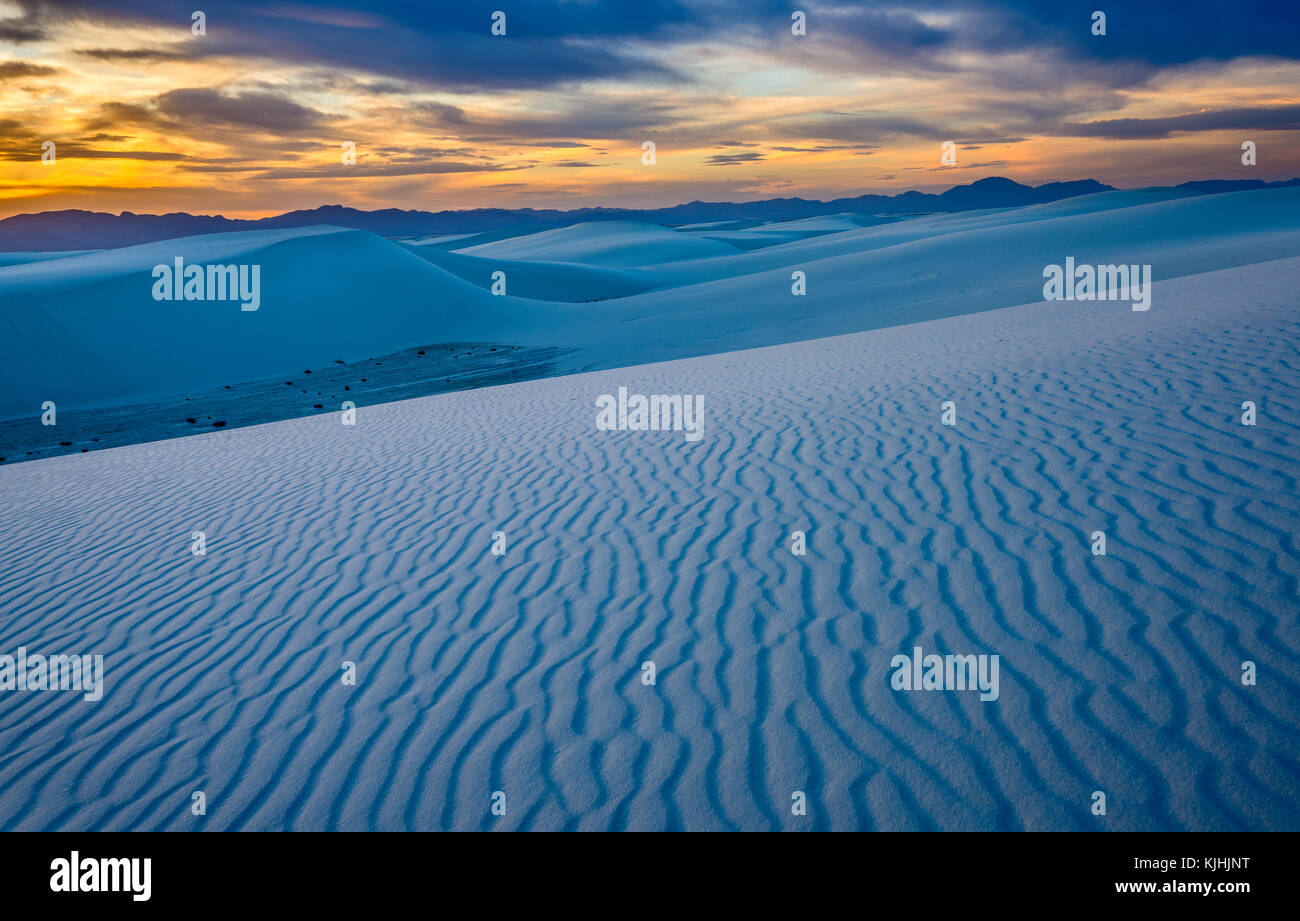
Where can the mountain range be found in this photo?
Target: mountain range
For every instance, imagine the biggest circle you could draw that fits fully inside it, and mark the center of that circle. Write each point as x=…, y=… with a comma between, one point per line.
x=78, y=230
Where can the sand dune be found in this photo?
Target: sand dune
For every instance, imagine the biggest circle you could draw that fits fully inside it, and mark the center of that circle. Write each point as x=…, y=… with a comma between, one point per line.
x=609, y=243
x=751, y=235
x=522, y=673
x=7, y=259
x=1150, y=222
x=84, y=329
x=547, y=281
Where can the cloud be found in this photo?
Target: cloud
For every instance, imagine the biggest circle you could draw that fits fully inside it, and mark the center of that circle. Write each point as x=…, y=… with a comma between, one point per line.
x=338, y=171
x=12, y=127
x=131, y=55
x=19, y=143
x=987, y=165
x=27, y=27
x=269, y=111
x=1017, y=36
x=554, y=43
x=547, y=42
x=817, y=148
x=1160, y=34
x=414, y=153
x=218, y=168
x=733, y=159
x=592, y=117
x=75, y=151
x=426, y=90
x=1261, y=118
x=13, y=70
x=872, y=126
x=988, y=140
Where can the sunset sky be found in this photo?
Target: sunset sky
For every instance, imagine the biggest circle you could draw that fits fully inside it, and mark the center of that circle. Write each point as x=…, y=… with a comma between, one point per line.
x=248, y=120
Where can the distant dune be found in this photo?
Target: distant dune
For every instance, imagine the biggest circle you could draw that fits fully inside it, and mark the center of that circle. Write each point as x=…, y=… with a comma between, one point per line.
x=84, y=329
x=612, y=243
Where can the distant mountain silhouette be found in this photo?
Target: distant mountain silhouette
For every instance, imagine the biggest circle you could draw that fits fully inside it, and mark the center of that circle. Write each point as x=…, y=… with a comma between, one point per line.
x=73, y=230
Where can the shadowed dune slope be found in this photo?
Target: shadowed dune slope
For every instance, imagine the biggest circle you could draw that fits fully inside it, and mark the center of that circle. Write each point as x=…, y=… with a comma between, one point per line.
x=86, y=329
